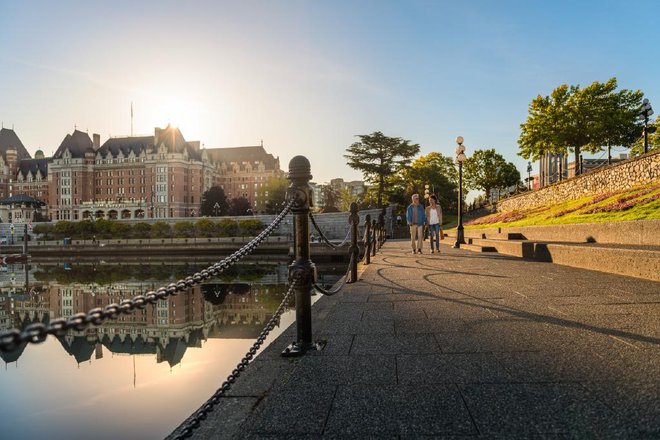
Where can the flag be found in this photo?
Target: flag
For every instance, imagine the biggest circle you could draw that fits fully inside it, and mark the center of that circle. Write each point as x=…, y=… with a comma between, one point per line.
x=30, y=224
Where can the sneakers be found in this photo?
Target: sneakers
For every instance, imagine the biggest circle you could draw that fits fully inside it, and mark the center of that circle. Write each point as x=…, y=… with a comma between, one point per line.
x=432, y=251
x=419, y=250
x=414, y=251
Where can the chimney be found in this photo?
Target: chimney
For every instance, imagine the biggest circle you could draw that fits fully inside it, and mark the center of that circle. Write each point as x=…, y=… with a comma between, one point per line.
x=97, y=141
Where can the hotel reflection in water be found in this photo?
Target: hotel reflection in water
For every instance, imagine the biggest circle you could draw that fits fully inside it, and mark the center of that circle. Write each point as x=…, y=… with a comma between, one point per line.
x=165, y=329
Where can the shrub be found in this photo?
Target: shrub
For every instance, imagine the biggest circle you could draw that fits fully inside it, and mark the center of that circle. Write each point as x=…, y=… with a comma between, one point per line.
x=161, y=229
x=206, y=227
x=227, y=228
x=250, y=227
x=184, y=229
x=142, y=230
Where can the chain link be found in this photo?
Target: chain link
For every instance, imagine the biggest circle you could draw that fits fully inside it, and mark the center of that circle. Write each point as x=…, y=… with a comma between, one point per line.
x=193, y=422
x=325, y=239
x=341, y=284
x=35, y=333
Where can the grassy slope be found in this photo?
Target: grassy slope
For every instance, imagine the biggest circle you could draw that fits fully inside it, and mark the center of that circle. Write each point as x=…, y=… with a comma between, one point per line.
x=639, y=203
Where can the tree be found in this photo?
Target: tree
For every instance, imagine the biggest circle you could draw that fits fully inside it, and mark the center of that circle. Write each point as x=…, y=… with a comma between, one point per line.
x=211, y=197
x=239, y=206
x=330, y=197
x=345, y=199
x=486, y=170
x=654, y=139
x=379, y=156
x=580, y=119
x=438, y=172
x=271, y=197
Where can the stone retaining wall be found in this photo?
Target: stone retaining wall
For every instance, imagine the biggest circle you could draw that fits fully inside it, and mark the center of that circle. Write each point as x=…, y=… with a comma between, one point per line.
x=620, y=176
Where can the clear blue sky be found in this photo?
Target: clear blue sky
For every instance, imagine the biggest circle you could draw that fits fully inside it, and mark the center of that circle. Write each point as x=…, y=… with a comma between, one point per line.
x=307, y=76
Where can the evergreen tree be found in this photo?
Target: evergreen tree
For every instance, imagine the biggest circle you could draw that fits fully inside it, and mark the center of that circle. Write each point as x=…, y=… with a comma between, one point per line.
x=379, y=156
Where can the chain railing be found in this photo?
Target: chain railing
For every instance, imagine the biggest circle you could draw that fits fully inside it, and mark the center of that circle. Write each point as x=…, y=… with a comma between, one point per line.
x=38, y=332
x=322, y=235
x=193, y=422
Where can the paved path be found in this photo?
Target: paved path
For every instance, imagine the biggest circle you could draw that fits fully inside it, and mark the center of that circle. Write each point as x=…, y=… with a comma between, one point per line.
x=462, y=345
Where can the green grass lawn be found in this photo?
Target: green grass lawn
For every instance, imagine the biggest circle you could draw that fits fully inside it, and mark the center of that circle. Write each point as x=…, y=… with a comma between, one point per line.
x=639, y=203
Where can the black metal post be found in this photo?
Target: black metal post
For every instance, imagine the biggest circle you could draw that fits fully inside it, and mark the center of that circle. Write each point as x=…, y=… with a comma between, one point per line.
x=302, y=269
x=25, y=240
x=460, y=238
x=367, y=239
x=354, y=250
x=646, y=132
x=381, y=228
x=373, y=240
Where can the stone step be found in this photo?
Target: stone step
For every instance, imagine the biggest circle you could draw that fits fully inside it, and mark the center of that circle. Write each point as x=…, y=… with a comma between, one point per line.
x=517, y=248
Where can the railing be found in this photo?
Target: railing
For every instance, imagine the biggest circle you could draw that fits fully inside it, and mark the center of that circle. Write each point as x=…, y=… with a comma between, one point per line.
x=302, y=281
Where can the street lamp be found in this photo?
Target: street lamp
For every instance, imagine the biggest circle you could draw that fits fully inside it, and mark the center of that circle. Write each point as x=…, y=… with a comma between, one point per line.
x=645, y=112
x=460, y=157
x=216, y=208
x=529, y=176
x=426, y=193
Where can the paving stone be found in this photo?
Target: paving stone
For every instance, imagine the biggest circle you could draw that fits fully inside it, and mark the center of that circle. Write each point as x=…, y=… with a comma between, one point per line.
x=462, y=346
x=295, y=408
x=450, y=368
x=342, y=370
x=234, y=411
x=394, y=344
x=539, y=409
x=403, y=410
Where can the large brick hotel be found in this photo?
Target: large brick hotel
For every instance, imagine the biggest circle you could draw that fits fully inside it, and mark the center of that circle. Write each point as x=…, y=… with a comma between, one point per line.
x=159, y=176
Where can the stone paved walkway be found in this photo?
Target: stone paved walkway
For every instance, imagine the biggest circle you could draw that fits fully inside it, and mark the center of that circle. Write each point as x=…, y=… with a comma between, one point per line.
x=462, y=345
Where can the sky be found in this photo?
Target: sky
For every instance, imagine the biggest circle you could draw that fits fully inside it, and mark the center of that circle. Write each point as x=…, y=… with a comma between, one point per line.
x=306, y=77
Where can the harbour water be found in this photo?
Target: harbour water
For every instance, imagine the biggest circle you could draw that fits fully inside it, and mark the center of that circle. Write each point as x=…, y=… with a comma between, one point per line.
x=138, y=376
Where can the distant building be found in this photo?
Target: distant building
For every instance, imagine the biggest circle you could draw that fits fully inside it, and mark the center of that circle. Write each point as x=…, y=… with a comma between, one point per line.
x=243, y=171
x=356, y=187
x=159, y=176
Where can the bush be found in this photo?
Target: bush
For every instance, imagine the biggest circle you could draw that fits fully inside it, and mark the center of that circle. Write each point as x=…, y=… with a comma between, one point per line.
x=161, y=229
x=64, y=228
x=227, y=228
x=120, y=230
x=250, y=227
x=184, y=229
x=142, y=230
x=206, y=228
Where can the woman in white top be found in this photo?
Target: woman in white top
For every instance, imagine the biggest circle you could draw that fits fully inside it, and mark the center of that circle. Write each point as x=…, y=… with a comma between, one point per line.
x=434, y=222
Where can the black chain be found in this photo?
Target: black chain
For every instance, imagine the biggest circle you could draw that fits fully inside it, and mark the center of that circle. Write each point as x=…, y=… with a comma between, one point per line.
x=193, y=422
x=341, y=284
x=38, y=332
x=316, y=226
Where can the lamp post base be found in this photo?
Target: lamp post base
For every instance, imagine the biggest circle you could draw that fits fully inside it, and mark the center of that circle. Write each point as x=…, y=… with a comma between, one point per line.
x=296, y=349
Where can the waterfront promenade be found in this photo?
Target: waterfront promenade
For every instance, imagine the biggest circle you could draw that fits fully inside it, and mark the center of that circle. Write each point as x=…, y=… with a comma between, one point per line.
x=461, y=345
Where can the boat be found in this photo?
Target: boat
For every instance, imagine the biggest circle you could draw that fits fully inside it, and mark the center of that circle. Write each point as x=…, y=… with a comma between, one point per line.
x=14, y=258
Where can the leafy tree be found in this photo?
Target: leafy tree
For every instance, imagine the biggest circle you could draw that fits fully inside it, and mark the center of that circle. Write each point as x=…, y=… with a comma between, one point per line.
x=271, y=197
x=654, y=139
x=580, y=119
x=345, y=199
x=330, y=198
x=239, y=206
x=486, y=170
x=379, y=156
x=438, y=172
x=214, y=195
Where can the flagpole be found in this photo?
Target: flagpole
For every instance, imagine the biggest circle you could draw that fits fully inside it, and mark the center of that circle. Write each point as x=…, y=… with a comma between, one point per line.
x=131, y=118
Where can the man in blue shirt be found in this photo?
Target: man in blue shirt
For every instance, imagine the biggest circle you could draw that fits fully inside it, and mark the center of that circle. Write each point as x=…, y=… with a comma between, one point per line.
x=416, y=218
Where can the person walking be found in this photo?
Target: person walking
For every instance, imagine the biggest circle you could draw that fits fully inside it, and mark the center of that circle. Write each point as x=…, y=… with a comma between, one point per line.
x=434, y=222
x=416, y=218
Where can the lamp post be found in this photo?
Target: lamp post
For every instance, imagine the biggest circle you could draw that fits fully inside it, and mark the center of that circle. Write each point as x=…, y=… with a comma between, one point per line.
x=645, y=112
x=216, y=208
x=529, y=176
x=460, y=157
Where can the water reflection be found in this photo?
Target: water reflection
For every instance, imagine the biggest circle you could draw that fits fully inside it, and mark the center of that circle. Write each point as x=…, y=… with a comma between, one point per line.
x=226, y=307
x=149, y=370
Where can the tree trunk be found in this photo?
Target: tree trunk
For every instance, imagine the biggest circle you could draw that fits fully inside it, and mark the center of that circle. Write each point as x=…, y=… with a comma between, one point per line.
x=578, y=171
x=381, y=187
x=561, y=166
